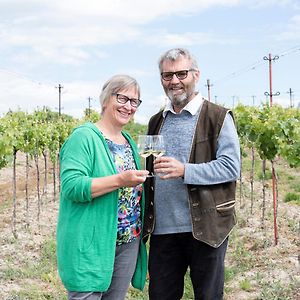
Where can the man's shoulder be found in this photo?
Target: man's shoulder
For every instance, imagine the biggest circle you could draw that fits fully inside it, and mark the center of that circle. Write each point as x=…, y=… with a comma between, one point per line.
x=155, y=122
x=215, y=106
x=157, y=116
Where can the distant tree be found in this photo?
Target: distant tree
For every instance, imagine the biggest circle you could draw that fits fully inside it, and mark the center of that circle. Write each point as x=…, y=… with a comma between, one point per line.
x=91, y=115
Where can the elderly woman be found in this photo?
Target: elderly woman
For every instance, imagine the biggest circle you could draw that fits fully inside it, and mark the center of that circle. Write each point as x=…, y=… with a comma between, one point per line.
x=99, y=248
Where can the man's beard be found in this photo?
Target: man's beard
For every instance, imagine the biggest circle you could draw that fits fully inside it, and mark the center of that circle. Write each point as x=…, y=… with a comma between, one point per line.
x=179, y=100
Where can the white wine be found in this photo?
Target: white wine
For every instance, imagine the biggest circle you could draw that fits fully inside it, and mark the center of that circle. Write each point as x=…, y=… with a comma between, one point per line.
x=158, y=153
x=145, y=153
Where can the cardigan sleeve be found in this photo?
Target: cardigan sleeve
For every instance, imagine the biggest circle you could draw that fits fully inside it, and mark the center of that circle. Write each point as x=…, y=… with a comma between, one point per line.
x=76, y=160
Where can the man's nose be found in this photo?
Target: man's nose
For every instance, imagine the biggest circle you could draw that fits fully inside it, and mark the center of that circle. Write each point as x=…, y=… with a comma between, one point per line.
x=174, y=79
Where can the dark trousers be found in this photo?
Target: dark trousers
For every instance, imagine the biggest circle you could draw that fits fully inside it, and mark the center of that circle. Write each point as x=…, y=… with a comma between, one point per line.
x=169, y=258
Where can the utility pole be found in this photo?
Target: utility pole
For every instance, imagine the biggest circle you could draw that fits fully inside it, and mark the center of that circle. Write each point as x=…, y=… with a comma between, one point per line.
x=291, y=97
x=89, y=111
x=233, y=98
x=270, y=59
x=208, y=88
x=59, y=87
x=274, y=184
x=253, y=100
x=216, y=99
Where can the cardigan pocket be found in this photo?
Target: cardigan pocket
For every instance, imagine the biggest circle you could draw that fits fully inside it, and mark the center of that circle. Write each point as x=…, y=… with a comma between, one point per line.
x=87, y=241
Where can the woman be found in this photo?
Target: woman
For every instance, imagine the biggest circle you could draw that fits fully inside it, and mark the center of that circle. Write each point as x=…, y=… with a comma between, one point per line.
x=101, y=207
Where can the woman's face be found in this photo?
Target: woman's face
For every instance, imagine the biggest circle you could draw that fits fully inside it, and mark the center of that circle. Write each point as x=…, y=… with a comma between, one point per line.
x=118, y=113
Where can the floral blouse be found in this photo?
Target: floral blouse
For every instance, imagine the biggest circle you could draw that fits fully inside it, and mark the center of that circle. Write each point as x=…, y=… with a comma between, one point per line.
x=129, y=209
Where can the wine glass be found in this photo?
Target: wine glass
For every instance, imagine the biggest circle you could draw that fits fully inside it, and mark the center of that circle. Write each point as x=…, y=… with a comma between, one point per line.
x=144, y=145
x=150, y=144
x=158, y=147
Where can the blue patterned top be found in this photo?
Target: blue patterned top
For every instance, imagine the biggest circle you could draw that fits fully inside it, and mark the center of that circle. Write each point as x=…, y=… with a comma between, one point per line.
x=129, y=209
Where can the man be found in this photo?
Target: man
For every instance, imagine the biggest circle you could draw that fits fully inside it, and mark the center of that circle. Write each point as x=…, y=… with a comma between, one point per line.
x=190, y=208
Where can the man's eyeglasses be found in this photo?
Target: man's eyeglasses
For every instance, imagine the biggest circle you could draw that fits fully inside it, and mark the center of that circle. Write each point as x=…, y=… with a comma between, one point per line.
x=122, y=99
x=182, y=74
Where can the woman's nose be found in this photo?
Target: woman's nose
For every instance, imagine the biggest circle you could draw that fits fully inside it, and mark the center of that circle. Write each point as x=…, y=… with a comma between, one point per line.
x=128, y=105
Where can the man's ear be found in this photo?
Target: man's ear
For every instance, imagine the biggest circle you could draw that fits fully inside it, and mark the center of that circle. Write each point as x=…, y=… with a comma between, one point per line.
x=197, y=75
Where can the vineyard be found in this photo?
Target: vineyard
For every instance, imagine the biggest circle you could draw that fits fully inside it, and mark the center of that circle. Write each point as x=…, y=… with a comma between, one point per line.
x=263, y=257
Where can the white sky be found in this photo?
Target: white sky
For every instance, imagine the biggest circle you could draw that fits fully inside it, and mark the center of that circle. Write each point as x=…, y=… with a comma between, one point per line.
x=80, y=44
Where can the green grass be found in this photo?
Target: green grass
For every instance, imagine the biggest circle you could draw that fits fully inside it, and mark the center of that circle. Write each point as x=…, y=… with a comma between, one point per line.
x=292, y=197
x=245, y=285
x=277, y=290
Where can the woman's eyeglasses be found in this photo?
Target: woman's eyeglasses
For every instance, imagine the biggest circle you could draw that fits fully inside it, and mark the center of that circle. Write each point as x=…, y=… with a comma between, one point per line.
x=122, y=99
x=182, y=74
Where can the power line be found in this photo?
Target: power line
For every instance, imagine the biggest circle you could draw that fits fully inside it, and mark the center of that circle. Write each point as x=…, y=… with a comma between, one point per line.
x=254, y=66
x=290, y=51
x=241, y=71
x=26, y=78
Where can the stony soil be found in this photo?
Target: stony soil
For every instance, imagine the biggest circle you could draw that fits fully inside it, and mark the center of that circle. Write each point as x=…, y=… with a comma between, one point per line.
x=260, y=269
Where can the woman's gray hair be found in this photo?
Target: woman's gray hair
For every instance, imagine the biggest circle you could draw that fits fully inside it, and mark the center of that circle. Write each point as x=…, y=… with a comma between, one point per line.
x=176, y=53
x=116, y=84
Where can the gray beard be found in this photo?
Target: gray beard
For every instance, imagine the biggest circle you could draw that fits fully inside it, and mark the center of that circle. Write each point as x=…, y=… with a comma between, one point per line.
x=179, y=101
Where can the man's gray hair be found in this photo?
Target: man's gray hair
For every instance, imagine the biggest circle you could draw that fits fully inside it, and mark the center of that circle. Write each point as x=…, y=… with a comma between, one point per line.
x=176, y=53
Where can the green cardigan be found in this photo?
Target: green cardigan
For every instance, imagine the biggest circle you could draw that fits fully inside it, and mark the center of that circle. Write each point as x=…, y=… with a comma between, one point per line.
x=87, y=228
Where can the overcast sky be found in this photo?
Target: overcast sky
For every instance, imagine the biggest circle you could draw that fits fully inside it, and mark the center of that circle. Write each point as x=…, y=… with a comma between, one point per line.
x=81, y=43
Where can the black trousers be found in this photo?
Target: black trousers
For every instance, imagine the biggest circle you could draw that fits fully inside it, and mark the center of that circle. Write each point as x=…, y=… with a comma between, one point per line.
x=169, y=258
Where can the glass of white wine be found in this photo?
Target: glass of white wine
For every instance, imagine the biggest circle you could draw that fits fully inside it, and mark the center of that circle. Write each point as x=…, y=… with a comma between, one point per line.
x=158, y=148
x=150, y=145
x=144, y=145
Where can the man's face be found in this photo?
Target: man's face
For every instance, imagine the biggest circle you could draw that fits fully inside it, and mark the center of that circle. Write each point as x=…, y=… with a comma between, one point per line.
x=179, y=91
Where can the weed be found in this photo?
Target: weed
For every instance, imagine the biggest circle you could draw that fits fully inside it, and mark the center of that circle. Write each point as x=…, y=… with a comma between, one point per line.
x=245, y=285
x=268, y=175
x=292, y=197
x=230, y=273
x=275, y=290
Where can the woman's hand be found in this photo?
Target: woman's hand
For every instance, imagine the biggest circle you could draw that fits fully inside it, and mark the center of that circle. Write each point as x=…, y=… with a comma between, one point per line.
x=168, y=167
x=132, y=177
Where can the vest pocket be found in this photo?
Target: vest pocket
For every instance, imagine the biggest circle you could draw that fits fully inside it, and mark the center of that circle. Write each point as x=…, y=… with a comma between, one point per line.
x=226, y=207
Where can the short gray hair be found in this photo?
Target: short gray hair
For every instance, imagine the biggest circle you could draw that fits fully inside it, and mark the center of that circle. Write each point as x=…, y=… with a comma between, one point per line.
x=176, y=53
x=116, y=84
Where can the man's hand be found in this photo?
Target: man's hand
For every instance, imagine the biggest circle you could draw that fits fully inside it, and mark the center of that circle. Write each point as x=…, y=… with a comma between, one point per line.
x=168, y=167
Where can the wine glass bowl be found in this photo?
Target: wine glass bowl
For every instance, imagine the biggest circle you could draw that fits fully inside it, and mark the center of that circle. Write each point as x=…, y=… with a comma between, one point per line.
x=144, y=145
x=158, y=146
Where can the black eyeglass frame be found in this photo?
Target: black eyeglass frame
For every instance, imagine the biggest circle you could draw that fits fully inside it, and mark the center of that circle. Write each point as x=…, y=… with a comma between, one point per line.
x=184, y=76
x=133, y=101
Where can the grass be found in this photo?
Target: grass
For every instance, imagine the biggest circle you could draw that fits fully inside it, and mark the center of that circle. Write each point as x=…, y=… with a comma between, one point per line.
x=245, y=285
x=31, y=276
x=292, y=197
x=277, y=290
